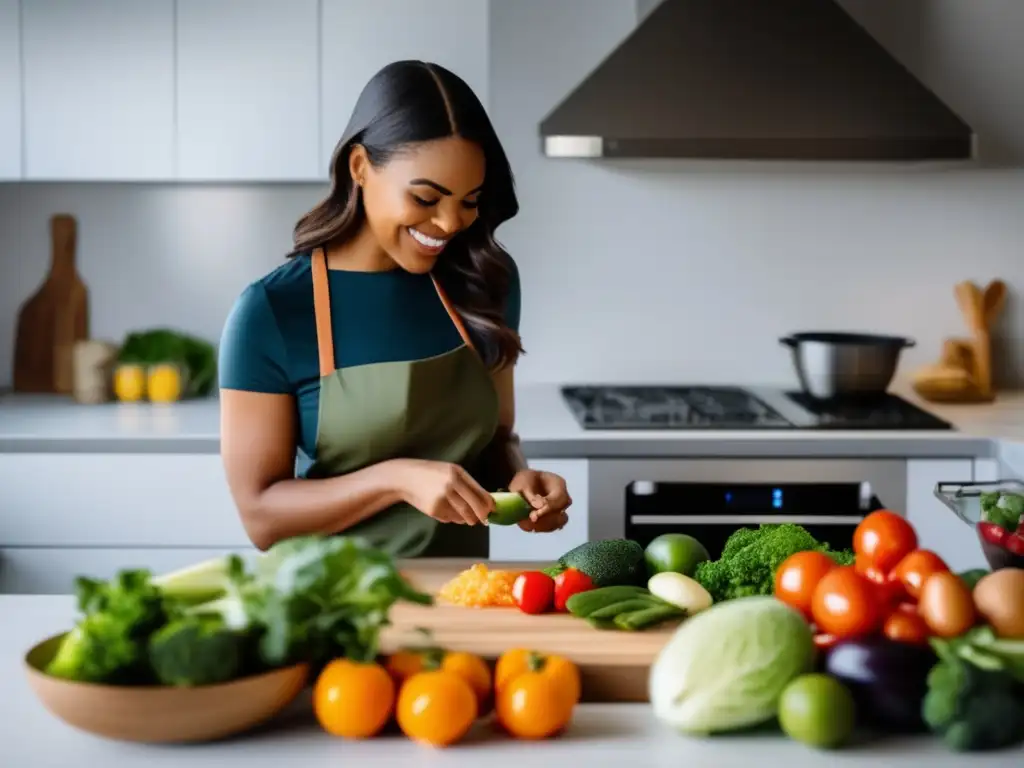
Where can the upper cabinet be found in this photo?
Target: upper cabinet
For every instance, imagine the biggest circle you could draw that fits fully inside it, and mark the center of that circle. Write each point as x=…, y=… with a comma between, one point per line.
x=10, y=91
x=98, y=89
x=358, y=37
x=248, y=90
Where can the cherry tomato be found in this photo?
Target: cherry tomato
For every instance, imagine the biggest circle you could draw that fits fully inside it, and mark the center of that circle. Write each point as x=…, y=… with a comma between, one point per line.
x=890, y=591
x=534, y=592
x=845, y=604
x=993, y=534
x=882, y=539
x=824, y=642
x=568, y=583
x=798, y=575
x=915, y=568
x=902, y=626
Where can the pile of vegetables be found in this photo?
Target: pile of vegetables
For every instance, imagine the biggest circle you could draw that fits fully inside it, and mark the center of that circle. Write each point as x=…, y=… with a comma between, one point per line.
x=194, y=357
x=307, y=599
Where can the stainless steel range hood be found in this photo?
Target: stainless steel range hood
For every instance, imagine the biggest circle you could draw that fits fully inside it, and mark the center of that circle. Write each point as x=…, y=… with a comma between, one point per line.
x=753, y=79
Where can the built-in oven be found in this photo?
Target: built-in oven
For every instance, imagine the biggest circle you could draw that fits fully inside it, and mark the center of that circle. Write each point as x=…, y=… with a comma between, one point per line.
x=710, y=499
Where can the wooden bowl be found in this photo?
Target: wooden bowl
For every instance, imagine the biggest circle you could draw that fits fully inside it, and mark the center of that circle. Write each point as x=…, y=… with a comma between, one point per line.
x=162, y=714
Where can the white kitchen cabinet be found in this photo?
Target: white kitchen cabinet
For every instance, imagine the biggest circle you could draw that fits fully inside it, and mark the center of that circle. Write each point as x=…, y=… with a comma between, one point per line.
x=248, y=74
x=98, y=85
x=512, y=543
x=10, y=91
x=117, y=500
x=52, y=571
x=938, y=528
x=360, y=37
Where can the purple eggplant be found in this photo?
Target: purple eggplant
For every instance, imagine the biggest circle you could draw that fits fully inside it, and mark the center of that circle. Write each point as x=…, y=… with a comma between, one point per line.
x=888, y=680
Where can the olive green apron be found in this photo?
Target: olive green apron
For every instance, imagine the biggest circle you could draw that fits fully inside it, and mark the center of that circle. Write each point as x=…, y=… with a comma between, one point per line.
x=441, y=408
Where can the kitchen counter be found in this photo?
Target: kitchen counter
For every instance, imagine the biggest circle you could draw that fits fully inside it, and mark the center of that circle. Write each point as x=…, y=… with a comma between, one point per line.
x=34, y=424
x=601, y=734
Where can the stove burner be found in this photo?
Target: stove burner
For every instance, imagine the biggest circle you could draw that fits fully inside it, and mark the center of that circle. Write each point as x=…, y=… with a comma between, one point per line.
x=883, y=412
x=637, y=407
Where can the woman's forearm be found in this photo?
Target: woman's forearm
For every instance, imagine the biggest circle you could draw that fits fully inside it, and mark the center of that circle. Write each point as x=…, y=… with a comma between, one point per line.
x=295, y=506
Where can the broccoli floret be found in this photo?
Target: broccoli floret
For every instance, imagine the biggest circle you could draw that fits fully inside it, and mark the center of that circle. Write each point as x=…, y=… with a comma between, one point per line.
x=108, y=642
x=196, y=651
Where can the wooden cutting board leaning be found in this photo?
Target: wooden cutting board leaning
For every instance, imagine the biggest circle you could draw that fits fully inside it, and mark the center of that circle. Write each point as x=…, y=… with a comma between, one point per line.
x=53, y=319
x=614, y=665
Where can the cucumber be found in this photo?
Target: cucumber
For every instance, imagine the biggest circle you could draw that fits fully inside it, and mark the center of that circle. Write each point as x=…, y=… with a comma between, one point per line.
x=623, y=606
x=509, y=508
x=582, y=604
x=648, y=617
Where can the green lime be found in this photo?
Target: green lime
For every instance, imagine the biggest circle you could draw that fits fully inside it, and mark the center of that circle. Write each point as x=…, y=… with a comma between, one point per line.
x=817, y=710
x=509, y=508
x=675, y=552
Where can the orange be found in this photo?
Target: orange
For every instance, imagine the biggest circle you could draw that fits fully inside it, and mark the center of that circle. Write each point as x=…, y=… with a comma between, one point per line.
x=533, y=705
x=353, y=700
x=436, y=708
x=474, y=670
x=519, y=661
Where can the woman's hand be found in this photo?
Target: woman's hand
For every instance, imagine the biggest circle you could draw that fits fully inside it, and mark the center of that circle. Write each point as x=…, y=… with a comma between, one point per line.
x=445, y=492
x=547, y=494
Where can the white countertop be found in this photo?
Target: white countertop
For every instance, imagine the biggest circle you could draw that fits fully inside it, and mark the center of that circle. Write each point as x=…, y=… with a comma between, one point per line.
x=32, y=423
x=600, y=735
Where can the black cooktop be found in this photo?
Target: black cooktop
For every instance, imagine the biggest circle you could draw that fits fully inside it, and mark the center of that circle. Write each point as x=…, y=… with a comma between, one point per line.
x=723, y=407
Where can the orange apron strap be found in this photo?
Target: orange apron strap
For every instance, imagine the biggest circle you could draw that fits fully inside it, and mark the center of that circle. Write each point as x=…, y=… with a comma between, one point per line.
x=459, y=326
x=322, y=310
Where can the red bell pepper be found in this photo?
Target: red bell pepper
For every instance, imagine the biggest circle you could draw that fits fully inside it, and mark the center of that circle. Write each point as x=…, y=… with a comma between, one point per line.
x=1014, y=543
x=993, y=534
x=534, y=592
x=568, y=583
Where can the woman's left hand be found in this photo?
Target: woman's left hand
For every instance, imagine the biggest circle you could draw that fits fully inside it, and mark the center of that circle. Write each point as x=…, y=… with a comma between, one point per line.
x=547, y=494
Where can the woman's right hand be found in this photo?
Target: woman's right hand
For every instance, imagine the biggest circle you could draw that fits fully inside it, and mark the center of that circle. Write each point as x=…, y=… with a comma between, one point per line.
x=445, y=492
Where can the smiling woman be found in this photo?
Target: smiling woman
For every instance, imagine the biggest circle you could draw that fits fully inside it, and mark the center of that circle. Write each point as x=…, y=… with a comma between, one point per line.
x=384, y=349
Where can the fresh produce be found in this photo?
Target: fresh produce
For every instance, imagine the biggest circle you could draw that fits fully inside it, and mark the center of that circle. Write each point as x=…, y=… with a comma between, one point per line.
x=195, y=359
x=1003, y=509
x=981, y=647
x=846, y=604
x=680, y=591
x=972, y=707
x=906, y=626
x=509, y=508
x=353, y=700
x=887, y=680
x=553, y=570
x=817, y=710
x=407, y=662
x=608, y=562
x=675, y=552
x=307, y=599
x=999, y=599
x=516, y=662
x=973, y=576
x=797, y=577
x=625, y=608
x=534, y=592
x=725, y=668
x=914, y=568
x=480, y=587
x=946, y=605
x=436, y=708
x=882, y=539
x=568, y=583
x=536, y=702
x=752, y=555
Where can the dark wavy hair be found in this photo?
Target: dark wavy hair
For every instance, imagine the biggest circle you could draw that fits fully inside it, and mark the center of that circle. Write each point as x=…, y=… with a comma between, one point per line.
x=408, y=102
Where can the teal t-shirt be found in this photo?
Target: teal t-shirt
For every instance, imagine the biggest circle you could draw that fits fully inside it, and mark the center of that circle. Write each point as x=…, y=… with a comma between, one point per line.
x=269, y=340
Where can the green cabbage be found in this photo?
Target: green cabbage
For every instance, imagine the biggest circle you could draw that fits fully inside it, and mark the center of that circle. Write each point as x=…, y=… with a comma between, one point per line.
x=725, y=668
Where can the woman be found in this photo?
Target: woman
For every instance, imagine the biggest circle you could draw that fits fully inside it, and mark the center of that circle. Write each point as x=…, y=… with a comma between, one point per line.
x=384, y=349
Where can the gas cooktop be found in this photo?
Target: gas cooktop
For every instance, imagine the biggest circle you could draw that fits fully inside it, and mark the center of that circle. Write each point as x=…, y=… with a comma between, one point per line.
x=722, y=407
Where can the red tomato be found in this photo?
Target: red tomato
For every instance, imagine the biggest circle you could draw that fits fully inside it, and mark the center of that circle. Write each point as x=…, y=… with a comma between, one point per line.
x=1015, y=543
x=993, y=534
x=568, y=583
x=845, y=604
x=882, y=539
x=534, y=592
x=824, y=642
x=798, y=575
x=914, y=569
x=890, y=591
x=905, y=627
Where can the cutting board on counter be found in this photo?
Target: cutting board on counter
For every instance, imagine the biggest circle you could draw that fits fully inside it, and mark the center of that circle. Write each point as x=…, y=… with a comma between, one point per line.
x=53, y=319
x=614, y=665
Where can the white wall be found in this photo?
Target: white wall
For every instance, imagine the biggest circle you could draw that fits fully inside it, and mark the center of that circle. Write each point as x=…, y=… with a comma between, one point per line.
x=631, y=270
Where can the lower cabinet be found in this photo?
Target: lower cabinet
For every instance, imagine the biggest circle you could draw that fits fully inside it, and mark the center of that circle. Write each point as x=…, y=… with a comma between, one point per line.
x=513, y=543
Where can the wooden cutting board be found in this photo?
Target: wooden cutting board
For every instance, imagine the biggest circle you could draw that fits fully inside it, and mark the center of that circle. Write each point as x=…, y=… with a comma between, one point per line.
x=53, y=319
x=614, y=665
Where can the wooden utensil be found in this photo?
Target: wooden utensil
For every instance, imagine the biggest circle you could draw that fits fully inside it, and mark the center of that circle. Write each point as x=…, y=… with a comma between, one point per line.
x=52, y=319
x=614, y=665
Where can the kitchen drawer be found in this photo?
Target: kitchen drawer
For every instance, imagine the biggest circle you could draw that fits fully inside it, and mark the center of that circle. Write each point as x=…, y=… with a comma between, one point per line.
x=52, y=571
x=116, y=500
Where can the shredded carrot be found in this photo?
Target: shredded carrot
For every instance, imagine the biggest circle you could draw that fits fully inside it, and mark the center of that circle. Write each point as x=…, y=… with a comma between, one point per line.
x=478, y=587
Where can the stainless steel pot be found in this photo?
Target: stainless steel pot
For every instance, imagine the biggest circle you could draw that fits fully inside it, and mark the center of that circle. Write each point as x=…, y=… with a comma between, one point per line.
x=840, y=365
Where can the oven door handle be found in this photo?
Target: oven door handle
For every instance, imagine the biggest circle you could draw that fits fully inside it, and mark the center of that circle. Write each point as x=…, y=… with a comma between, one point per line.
x=745, y=519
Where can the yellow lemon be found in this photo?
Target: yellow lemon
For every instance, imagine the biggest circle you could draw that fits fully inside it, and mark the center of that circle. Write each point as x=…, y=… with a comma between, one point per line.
x=165, y=384
x=129, y=383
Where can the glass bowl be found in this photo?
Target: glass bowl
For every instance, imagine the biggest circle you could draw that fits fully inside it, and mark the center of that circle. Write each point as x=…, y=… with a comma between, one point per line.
x=965, y=500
